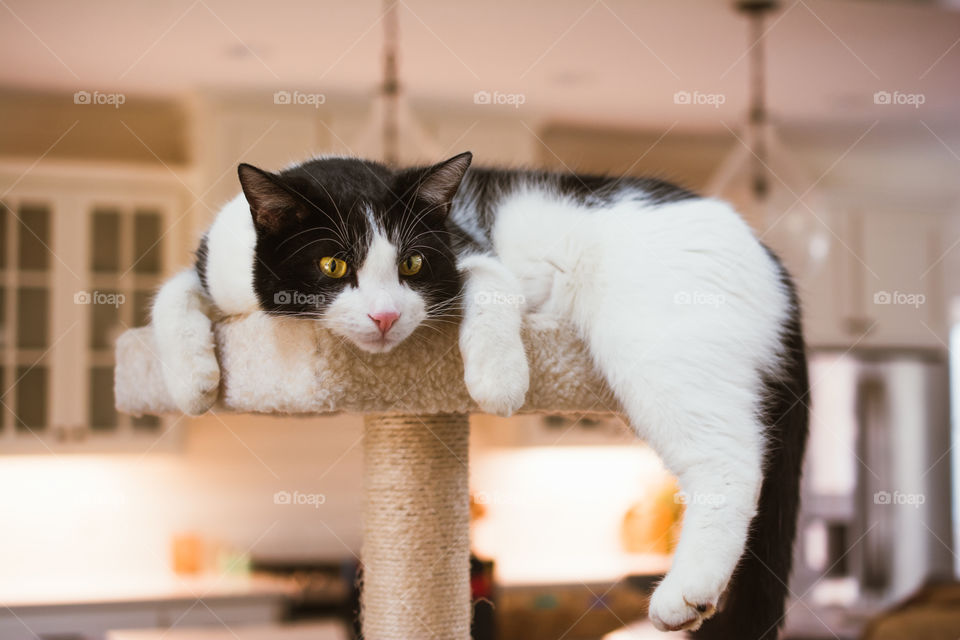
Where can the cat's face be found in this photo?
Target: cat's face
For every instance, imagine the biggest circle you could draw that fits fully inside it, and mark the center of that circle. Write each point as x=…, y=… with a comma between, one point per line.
x=361, y=248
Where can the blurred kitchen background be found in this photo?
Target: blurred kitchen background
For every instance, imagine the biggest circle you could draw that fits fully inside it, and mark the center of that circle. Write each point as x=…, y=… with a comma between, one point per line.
x=832, y=124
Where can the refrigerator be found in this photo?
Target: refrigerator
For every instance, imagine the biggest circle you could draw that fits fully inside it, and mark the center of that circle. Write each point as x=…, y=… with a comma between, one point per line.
x=875, y=522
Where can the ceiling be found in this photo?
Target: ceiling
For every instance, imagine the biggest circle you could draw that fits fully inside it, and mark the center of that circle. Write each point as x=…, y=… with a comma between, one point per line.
x=603, y=61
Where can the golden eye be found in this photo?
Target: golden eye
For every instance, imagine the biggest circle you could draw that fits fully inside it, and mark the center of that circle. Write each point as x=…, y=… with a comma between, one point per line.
x=411, y=264
x=333, y=267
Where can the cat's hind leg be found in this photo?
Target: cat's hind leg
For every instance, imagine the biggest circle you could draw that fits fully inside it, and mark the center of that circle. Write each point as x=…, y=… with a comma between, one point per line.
x=183, y=331
x=720, y=488
x=699, y=414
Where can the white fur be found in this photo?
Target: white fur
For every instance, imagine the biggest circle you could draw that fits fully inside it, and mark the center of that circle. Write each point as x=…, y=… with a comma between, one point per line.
x=184, y=335
x=378, y=289
x=681, y=319
x=494, y=361
x=181, y=310
x=231, y=246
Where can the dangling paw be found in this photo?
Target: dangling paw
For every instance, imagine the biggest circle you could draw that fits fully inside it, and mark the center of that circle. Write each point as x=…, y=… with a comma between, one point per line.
x=496, y=372
x=684, y=602
x=193, y=379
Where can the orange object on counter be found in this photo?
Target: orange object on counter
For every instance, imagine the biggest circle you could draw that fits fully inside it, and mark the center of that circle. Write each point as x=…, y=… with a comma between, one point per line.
x=652, y=525
x=188, y=554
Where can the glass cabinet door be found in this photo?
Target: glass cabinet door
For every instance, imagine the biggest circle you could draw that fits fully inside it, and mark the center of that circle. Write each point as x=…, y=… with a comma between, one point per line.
x=125, y=268
x=82, y=252
x=25, y=295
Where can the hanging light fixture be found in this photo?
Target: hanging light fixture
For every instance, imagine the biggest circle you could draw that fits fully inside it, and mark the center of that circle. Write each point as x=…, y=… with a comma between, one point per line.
x=392, y=133
x=762, y=177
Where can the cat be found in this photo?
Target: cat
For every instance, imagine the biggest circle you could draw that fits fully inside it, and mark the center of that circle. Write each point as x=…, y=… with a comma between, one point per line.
x=692, y=321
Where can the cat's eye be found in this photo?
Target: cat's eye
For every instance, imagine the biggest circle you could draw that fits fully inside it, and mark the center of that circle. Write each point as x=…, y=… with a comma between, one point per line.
x=333, y=267
x=411, y=264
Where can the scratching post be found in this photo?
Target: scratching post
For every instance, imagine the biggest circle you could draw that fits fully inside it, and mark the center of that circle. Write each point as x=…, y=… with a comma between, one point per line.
x=416, y=548
x=416, y=535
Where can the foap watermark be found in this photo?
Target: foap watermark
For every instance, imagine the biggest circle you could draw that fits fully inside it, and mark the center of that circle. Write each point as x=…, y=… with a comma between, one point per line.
x=299, y=98
x=296, y=498
x=699, y=98
x=498, y=97
x=299, y=298
x=899, y=98
x=914, y=300
x=97, y=97
x=708, y=499
x=499, y=298
x=99, y=297
x=898, y=498
x=701, y=298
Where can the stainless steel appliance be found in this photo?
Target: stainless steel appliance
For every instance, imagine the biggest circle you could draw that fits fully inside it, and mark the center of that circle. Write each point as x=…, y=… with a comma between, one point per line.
x=876, y=516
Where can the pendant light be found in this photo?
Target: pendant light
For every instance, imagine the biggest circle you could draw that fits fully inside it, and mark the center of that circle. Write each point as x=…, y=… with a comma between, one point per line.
x=763, y=178
x=392, y=132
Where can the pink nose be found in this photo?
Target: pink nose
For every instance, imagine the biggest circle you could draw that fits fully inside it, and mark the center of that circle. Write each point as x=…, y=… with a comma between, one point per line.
x=384, y=320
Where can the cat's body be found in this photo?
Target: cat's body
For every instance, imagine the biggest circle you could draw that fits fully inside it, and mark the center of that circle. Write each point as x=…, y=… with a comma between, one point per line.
x=691, y=321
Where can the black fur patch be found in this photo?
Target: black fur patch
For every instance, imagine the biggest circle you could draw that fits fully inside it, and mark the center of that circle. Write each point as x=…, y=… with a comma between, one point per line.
x=200, y=262
x=483, y=189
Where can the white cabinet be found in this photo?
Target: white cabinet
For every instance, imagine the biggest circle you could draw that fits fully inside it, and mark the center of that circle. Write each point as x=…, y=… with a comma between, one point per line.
x=230, y=130
x=880, y=284
x=81, y=253
x=902, y=293
x=824, y=286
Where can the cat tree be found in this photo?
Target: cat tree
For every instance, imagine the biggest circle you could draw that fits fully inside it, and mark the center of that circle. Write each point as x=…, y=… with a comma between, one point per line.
x=416, y=515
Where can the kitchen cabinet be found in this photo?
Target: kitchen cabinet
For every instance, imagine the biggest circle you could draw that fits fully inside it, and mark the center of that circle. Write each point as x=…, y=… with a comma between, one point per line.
x=568, y=610
x=902, y=295
x=880, y=283
x=81, y=252
x=950, y=266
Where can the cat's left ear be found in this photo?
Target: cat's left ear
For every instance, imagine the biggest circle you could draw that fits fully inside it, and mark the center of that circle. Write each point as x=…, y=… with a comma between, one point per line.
x=272, y=205
x=439, y=183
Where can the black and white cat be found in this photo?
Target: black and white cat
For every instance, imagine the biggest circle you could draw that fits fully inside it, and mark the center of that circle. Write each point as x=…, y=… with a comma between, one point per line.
x=691, y=320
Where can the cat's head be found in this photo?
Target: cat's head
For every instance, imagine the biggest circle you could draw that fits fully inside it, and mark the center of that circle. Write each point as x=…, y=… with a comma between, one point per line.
x=362, y=248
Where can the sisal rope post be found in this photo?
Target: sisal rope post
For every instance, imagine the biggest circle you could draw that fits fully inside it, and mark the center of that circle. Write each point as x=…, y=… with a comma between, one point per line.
x=416, y=548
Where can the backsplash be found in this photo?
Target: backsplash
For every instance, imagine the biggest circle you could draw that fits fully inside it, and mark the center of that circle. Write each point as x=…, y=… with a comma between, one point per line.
x=70, y=516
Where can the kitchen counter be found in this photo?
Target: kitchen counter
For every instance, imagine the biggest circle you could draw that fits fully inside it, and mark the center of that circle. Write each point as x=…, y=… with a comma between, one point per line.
x=312, y=631
x=47, y=592
x=643, y=630
x=573, y=570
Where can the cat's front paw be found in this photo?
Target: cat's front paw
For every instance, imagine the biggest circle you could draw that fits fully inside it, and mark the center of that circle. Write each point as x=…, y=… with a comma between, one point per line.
x=496, y=373
x=193, y=380
x=684, y=601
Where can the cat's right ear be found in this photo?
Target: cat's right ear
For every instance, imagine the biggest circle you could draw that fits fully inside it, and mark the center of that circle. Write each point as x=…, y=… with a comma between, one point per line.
x=272, y=205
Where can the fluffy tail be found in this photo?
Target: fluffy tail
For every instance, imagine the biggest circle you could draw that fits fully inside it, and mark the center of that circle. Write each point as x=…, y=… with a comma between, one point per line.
x=754, y=604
